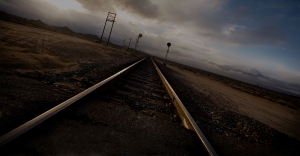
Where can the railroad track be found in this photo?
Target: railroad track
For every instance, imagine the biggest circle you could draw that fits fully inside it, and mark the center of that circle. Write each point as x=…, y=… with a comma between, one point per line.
x=134, y=112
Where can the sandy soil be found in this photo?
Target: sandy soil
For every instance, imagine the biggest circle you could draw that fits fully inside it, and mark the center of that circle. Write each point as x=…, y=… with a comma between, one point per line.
x=229, y=130
x=283, y=119
x=28, y=48
x=40, y=69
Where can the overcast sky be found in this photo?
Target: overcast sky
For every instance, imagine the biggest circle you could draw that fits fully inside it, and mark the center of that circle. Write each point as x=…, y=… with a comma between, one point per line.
x=254, y=41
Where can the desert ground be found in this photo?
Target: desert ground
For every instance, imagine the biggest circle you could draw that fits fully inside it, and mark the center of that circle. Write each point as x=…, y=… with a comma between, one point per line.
x=41, y=68
x=237, y=119
x=273, y=114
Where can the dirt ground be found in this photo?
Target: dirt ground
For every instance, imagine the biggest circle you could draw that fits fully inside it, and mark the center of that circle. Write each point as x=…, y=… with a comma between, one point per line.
x=283, y=119
x=40, y=69
x=234, y=120
x=30, y=49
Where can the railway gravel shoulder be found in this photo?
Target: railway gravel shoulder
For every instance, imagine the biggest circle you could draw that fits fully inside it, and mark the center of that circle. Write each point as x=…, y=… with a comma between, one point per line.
x=119, y=124
x=24, y=95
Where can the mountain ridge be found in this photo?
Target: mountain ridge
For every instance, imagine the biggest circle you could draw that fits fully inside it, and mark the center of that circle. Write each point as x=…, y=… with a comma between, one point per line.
x=40, y=24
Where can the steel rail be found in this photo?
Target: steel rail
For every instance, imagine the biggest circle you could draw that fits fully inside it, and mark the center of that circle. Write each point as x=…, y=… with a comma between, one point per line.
x=184, y=115
x=4, y=139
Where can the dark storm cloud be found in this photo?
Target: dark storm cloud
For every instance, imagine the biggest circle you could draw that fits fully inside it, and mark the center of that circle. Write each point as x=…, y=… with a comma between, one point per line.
x=267, y=22
x=143, y=8
x=52, y=15
x=30, y=9
x=184, y=48
x=243, y=70
x=269, y=33
x=202, y=16
x=281, y=5
x=242, y=14
x=265, y=34
x=255, y=76
x=252, y=72
x=96, y=5
x=180, y=54
x=208, y=19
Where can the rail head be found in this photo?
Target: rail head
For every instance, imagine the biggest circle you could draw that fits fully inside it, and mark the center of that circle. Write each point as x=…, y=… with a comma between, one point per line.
x=4, y=139
x=184, y=115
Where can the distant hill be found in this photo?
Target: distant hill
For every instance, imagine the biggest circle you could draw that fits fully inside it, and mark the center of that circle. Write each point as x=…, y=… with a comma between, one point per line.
x=40, y=24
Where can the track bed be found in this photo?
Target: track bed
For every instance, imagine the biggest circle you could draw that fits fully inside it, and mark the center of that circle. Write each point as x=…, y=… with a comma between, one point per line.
x=135, y=117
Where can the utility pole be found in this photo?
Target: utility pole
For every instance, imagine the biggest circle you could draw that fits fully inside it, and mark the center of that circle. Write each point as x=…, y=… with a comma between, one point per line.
x=169, y=44
x=103, y=28
x=110, y=18
x=137, y=41
x=129, y=44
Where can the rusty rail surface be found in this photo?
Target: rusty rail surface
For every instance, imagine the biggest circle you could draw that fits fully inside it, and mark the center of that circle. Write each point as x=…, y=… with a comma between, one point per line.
x=184, y=115
x=4, y=139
